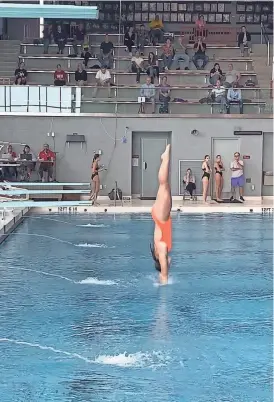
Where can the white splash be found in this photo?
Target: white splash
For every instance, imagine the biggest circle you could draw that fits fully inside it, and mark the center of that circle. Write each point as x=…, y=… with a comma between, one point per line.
x=91, y=225
x=156, y=283
x=139, y=359
x=96, y=281
x=95, y=245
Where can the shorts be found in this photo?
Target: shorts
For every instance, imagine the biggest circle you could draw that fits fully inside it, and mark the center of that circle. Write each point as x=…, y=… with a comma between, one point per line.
x=238, y=181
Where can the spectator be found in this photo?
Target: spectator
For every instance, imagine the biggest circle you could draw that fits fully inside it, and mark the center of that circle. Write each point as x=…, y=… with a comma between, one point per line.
x=219, y=180
x=206, y=176
x=189, y=180
x=216, y=74
x=86, y=55
x=60, y=39
x=157, y=31
x=142, y=39
x=148, y=92
x=200, y=58
x=46, y=158
x=237, y=177
x=102, y=80
x=47, y=38
x=231, y=77
x=234, y=95
x=200, y=26
x=10, y=172
x=78, y=38
x=168, y=53
x=164, y=95
x=180, y=54
x=106, y=53
x=60, y=77
x=129, y=40
x=21, y=75
x=218, y=95
x=244, y=40
x=81, y=76
x=137, y=65
x=153, y=68
x=28, y=161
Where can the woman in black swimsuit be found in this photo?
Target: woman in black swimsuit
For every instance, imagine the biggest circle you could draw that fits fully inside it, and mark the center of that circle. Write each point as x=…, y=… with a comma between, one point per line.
x=95, y=179
x=219, y=180
x=206, y=176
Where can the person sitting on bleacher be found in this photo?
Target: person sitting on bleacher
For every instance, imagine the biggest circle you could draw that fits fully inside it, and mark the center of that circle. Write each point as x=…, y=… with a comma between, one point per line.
x=137, y=65
x=106, y=53
x=218, y=95
x=244, y=40
x=234, y=95
x=81, y=76
x=153, y=68
x=164, y=95
x=102, y=80
x=60, y=39
x=46, y=158
x=180, y=54
x=21, y=75
x=168, y=53
x=86, y=55
x=142, y=39
x=231, y=77
x=10, y=172
x=78, y=38
x=157, y=31
x=200, y=59
x=148, y=92
x=216, y=74
x=200, y=26
x=60, y=76
x=129, y=40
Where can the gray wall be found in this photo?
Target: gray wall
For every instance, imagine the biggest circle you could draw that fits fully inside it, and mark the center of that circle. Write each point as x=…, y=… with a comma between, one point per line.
x=268, y=159
x=15, y=28
x=74, y=162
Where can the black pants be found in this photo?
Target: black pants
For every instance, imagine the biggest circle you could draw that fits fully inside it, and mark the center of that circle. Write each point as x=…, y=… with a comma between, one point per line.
x=152, y=72
x=190, y=188
x=137, y=70
x=46, y=167
x=129, y=43
x=59, y=83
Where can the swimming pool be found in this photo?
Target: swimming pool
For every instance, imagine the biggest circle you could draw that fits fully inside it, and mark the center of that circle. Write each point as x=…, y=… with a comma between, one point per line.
x=82, y=318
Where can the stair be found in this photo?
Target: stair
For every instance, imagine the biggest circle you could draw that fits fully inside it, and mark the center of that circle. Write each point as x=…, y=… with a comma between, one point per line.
x=264, y=76
x=9, y=51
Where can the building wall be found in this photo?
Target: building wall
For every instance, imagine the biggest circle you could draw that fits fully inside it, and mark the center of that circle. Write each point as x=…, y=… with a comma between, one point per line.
x=268, y=160
x=73, y=162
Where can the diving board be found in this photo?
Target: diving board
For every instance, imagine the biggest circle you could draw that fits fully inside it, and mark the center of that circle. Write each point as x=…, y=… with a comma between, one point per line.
x=42, y=204
x=39, y=183
x=41, y=192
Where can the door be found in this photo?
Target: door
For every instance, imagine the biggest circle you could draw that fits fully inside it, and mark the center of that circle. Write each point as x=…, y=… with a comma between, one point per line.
x=152, y=149
x=226, y=148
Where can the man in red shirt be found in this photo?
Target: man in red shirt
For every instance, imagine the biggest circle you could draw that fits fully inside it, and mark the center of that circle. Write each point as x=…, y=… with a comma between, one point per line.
x=60, y=77
x=46, y=158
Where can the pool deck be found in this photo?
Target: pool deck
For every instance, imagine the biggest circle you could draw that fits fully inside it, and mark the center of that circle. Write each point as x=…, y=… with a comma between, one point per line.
x=10, y=220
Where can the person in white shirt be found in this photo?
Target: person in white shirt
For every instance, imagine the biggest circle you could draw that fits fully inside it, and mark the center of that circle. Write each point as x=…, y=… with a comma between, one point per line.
x=218, y=94
x=137, y=65
x=102, y=80
x=237, y=177
x=231, y=77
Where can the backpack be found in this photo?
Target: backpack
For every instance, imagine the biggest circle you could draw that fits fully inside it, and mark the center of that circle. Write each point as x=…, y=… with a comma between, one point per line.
x=119, y=194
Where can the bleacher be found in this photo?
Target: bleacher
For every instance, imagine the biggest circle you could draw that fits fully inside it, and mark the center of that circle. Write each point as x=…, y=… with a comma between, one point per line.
x=186, y=86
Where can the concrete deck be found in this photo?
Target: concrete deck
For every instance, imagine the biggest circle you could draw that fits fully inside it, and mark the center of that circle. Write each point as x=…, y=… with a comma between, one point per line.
x=9, y=220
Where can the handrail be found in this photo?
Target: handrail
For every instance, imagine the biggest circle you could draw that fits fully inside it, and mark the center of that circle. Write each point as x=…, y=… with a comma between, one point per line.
x=264, y=35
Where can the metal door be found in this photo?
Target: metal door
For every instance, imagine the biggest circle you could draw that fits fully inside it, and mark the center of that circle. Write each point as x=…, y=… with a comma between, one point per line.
x=152, y=149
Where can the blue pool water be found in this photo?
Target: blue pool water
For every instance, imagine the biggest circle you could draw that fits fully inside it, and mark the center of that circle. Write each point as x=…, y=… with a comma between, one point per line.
x=83, y=320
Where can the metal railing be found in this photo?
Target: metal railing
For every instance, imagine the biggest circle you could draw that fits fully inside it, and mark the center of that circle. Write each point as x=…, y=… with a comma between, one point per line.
x=265, y=40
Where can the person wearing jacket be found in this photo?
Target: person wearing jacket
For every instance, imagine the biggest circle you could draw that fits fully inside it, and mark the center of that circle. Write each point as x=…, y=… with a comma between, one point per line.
x=244, y=40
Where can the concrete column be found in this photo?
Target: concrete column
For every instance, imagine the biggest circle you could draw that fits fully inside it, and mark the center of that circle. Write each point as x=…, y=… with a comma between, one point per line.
x=41, y=28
